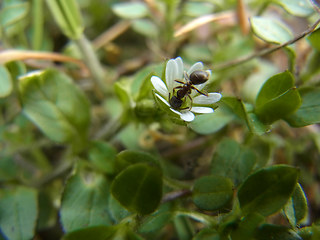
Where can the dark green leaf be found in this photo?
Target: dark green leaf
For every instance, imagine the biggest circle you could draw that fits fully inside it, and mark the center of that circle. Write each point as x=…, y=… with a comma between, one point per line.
x=267, y=190
x=18, y=213
x=128, y=157
x=247, y=227
x=57, y=106
x=309, y=111
x=314, y=39
x=103, y=156
x=275, y=232
x=211, y=122
x=6, y=84
x=212, y=192
x=270, y=29
x=296, y=208
x=207, y=234
x=315, y=232
x=96, y=233
x=277, y=98
x=138, y=188
x=84, y=202
x=233, y=161
x=241, y=110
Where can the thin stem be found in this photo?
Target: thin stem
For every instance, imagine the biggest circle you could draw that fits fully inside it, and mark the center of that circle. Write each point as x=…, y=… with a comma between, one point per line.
x=92, y=61
x=266, y=51
x=111, y=128
x=37, y=23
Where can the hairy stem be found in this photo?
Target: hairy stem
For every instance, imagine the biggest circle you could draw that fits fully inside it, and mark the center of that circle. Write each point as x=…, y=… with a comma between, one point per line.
x=266, y=51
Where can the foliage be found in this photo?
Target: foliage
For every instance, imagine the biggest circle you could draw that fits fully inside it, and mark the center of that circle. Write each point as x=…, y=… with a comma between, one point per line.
x=92, y=149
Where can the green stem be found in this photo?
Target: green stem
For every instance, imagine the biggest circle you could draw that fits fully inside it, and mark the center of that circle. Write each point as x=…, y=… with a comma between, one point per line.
x=37, y=23
x=92, y=61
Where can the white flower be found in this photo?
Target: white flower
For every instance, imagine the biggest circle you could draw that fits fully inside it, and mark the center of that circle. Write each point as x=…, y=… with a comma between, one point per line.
x=175, y=71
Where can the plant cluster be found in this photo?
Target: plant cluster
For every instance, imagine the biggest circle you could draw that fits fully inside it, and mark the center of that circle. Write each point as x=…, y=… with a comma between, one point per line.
x=159, y=119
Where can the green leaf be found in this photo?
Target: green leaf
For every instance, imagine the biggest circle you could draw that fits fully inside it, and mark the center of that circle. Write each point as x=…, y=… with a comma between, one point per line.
x=96, y=233
x=145, y=27
x=13, y=13
x=122, y=90
x=270, y=29
x=277, y=98
x=212, y=192
x=315, y=232
x=6, y=85
x=296, y=208
x=84, y=202
x=116, y=210
x=18, y=208
x=197, y=9
x=247, y=227
x=138, y=188
x=267, y=190
x=314, y=39
x=207, y=234
x=211, y=122
x=67, y=15
x=300, y=8
x=152, y=224
x=242, y=111
x=309, y=111
x=233, y=161
x=103, y=156
x=57, y=106
x=129, y=157
x=130, y=10
x=275, y=232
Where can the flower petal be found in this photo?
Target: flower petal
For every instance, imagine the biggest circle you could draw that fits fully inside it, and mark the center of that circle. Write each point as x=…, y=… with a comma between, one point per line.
x=187, y=116
x=159, y=85
x=211, y=98
x=171, y=73
x=162, y=99
x=180, y=66
x=201, y=110
x=175, y=111
x=194, y=67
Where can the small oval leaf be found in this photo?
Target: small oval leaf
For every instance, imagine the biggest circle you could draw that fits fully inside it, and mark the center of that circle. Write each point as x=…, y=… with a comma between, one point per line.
x=84, y=202
x=296, y=208
x=309, y=111
x=270, y=30
x=138, y=188
x=18, y=208
x=212, y=192
x=96, y=233
x=300, y=8
x=211, y=122
x=277, y=98
x=57, y=106
x=267, y=190
x=130, y=10
x=233, y=161
x=5, y=82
